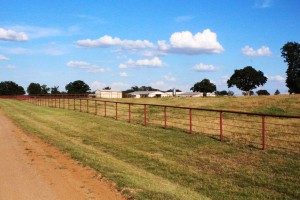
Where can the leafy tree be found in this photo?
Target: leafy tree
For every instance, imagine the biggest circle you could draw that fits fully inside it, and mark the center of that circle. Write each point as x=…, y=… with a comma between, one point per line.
x=11, y=88
x=262, y=92
x=44, y=89
x=277, y=92
x=34, y=88
x=77, y=87
x=204, y=86
x=291, y=54
x=247, y=79
x=142, y=88
x=55, y=90
x=230, y=93
x=171, y=90
x=222, y=93
x=250, y=93
x=107, y=88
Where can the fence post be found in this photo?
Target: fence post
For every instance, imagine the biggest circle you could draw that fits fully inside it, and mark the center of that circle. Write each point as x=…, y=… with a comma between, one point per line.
x=129, y=113
x=263, y=133
x=68, y=103
x=63, y=102
x=55, y=102
x=96, y=107
x=165, y=116
x=87, y=106
x=116, y=111
x=191, y=119
x=58, y=102
x=221, y=126
x=80, y=105
x=104, y=108
x=145, y=115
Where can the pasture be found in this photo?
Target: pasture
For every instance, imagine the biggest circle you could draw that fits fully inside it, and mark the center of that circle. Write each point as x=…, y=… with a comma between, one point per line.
x=149, y=162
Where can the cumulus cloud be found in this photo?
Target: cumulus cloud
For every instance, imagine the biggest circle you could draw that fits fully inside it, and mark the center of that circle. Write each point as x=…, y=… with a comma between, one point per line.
x=263, y=3
x=85, y=65
x=205, y=68
x=123, y=74
x=169, y=78
x=276, y=78
x=184, y=18
x=8, y=67
x=96, y=85
x=108, y=41
x=154, y=62
x=186, y=43
x=3, y=57
x=11, y=35
x=263, y=51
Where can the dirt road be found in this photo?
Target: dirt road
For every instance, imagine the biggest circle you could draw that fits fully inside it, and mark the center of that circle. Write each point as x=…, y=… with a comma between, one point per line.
x=31, y=169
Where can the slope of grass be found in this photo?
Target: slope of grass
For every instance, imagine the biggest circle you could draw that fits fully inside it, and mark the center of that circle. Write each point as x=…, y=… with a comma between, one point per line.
x=156, y=163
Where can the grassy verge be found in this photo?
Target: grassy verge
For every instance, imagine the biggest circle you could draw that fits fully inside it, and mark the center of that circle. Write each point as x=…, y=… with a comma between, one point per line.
x=154, y=163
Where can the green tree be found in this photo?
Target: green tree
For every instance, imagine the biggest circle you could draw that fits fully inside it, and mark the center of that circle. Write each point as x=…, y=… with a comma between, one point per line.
x=277, y=92
x=54, y=90
x=77, y=87
x=107, y=88
x=291, y=54
x=262, y=92
x=34, y=89
x=204, y=86
x=222, y=93
x=247, y=79
x=44, y=89
x=11, y=88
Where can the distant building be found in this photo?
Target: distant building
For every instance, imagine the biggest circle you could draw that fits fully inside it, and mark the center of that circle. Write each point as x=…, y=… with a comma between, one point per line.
x=150, y=94
x=108, y=94
x=195, y=94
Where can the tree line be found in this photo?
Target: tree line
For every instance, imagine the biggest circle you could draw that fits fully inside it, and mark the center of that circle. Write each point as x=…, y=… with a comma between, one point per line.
x=246, y=79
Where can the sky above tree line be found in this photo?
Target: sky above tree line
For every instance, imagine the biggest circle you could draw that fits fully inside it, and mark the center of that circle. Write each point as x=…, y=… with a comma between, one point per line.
x=164, y=44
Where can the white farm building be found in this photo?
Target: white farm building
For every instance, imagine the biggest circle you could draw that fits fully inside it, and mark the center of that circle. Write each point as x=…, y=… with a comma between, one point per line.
x=108, y=94
x=151, y=94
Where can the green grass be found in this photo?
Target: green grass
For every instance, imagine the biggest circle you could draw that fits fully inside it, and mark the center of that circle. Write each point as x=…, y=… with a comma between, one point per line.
x=156, y=163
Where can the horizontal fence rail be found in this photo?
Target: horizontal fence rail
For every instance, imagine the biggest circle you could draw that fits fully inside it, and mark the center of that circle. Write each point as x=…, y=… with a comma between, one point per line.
x=255, y=129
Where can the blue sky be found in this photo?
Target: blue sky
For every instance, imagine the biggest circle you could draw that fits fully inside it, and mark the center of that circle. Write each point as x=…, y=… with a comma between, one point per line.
x=161, y=43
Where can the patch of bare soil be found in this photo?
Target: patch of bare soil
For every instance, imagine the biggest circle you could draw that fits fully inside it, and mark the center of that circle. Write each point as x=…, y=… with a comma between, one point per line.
x=31, y=169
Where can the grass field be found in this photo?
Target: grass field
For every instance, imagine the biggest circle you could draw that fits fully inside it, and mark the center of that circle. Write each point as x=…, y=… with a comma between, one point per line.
x=156, y=163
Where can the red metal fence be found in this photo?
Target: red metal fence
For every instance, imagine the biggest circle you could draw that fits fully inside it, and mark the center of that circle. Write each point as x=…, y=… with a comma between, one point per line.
x=257, y=130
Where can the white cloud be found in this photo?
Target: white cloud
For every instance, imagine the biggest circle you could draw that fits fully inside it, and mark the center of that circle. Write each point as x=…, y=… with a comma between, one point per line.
x=123, y=74
x=276, y=78
x=108, y=41
x=8, y=67
x=38, y=32
x=154, y=62
x=85, y=65
x=3, y=57
x=187, y=43
x=119, y=86
x=263, y=3
x=11, y=35
x=96, y=85
x=184, y=18
x=263, y=51
x=205, y=68
x=169, y=78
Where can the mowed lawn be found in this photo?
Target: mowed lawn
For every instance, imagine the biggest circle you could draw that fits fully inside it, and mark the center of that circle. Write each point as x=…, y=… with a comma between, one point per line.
x=156, y=163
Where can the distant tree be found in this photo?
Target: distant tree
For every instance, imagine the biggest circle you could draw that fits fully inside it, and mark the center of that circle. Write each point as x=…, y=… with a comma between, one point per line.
x=250, y=93
x=77, y=87
x=277, y=92
x=291, y=54
x=262, y=92
x=142, y=88
x=247, y=79
x=107, y=88
x=204, y=86
x=34, y=89
x=11, y=88
x=171, y=90
x=222, y=93
x=44, y=89
x=54, y=90
x=230, y=93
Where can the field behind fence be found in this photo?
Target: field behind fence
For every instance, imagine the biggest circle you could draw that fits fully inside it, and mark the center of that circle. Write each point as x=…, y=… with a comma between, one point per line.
x=257, y=130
